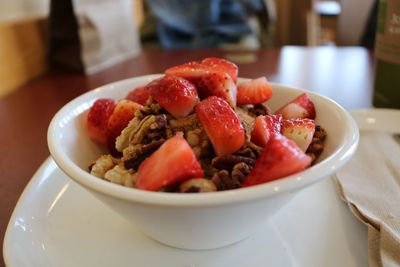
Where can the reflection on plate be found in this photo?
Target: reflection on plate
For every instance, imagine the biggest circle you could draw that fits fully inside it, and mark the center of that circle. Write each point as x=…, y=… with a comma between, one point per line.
x=387, y=120
x=57, y=223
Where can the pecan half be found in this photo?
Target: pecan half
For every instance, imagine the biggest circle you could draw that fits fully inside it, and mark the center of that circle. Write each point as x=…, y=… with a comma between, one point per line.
x=240, y=171
x=317, y=144
x=224, y=181
x=227, y=162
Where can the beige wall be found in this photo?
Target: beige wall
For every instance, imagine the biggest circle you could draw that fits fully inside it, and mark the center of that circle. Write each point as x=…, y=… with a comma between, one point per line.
x=21, y=9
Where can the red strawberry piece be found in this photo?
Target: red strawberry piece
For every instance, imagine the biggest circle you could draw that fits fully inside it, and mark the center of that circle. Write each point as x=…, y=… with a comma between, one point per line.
x=139, y=95
x=97, y=118
x=280, y=158
x=123, y=113
x=300, y=107
x=195, y=69
x=177, y=95
x=218, y=84
x=221, y=124
x=220, y=64
x=191, y=71
x=173, y=162
x=299, y=130
x=254, y=91
x=264, y=127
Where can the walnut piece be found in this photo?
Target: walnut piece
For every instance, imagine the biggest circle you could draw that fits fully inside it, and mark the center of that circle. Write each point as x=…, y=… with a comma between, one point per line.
x=137, y=130
x=120, y=175
x=102, y=165
x=246, y=119
x=316, y=146
x=227, y=162
x=224, y=181
x=134, y=155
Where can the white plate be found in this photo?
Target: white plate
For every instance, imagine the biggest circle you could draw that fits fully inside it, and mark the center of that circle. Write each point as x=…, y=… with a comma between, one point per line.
x=57, y=223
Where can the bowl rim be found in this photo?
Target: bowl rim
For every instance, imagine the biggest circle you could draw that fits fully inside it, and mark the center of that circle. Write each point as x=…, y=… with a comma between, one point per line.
x=288, y=184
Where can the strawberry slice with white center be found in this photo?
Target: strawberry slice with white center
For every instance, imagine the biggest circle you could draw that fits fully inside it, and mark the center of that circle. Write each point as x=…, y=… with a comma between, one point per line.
x=221, y=124
x=174, y=161
x=280, y=158
x=255, y=91
x=139, y=95
x=264, y=127
x=299, y=130
x=177, y=95
x=195, y=69
x=300, y=107
x=97, y=119
x=217, y=84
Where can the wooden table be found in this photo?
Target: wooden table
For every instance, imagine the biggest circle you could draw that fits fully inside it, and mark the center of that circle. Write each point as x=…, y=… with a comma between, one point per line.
x=344, y=74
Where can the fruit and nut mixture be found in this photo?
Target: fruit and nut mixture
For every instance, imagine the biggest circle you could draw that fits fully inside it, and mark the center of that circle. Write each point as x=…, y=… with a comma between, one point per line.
x=196, y=129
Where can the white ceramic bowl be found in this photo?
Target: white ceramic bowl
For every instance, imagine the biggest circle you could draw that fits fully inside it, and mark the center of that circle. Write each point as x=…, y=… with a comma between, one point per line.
x=204, y=220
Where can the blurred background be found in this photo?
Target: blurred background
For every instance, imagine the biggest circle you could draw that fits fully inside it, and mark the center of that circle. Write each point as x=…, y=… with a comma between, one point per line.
x=34, y=33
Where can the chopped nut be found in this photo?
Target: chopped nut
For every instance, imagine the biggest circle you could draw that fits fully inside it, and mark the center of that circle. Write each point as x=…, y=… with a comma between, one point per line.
x=184, y=124
x=120, y=175
x=137, y=130
x=224, y=181
x=136, y=154
x=102, y=165
x=246, y=119
x=240, y=171
x=319, y=133
x=317, y=144
x=193, y=138
x=151, y=108
x=227, y=162
x=259, y=109
x=197, y=185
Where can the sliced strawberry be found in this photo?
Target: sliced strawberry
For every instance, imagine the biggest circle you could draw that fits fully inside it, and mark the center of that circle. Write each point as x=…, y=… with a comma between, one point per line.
x=300, y=107
x=299, y=130
x=218, y=84
x=221, y=124
x=254, y=91
x=191, y=71
x=123, y=113
x=173, y=162
x=264, y=127
x=280, y=158
x=195, y=69
x=220, y=64
x=139, y=95
x=97, y=118
x=177, y=95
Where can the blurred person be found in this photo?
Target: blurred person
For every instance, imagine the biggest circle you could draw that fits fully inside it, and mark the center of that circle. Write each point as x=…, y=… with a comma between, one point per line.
x=176, y=24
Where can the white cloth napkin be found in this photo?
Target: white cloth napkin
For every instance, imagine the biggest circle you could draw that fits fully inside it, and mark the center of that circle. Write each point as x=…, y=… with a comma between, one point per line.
x=370, y=184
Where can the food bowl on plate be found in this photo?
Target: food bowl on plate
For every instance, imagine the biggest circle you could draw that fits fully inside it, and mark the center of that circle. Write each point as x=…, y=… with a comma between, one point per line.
x=203, y=220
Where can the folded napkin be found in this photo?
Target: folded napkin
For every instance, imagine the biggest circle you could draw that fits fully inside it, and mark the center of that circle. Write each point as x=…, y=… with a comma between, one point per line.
x=370, y=184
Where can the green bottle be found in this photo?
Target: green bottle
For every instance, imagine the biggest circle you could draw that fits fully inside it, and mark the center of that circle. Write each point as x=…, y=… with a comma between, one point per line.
x=387, y=53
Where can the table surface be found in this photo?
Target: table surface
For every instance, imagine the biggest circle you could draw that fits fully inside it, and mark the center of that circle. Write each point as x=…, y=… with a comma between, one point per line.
x=343, y=74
